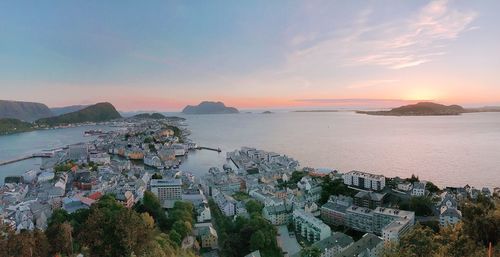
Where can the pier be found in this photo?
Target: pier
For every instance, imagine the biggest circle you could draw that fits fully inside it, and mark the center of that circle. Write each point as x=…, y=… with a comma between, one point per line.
x=35, y=155
x=209, y=148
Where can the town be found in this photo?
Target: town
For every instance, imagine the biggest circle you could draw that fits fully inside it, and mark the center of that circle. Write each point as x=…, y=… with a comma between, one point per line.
x=285, y=209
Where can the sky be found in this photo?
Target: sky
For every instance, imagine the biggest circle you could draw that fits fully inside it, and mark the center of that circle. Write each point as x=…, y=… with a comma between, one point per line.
x=162, y=55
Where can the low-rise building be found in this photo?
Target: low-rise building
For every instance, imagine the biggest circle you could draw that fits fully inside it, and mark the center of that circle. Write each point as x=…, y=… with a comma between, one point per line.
x=364, y=180
x=369, y=245
x=310, y=227
x=278, y=214
x=418, y=189
x=336, y=243
x=370, y=200
x=208, y=236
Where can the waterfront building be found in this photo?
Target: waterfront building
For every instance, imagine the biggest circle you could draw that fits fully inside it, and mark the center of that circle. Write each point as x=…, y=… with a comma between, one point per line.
x=310, y=227
x=78, y=151
x=364, y=180
x=152, y=160
x=167, y=190
x=45, y=176
x=418, y=189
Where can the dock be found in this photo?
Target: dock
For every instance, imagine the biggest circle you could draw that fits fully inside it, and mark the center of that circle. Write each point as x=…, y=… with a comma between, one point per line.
x=35, y=155
x=209, y=148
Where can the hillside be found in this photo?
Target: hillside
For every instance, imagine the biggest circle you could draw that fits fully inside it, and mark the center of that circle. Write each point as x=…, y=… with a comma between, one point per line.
x=420, y=109
x=94, y=113
x=26, y=111
x=11, y=126
x=66, y=109
x=155, y=116
x=207, y=107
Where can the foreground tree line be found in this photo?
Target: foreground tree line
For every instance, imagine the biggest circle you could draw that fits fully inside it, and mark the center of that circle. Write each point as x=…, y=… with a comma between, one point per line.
x=472, y=237
x=106, y=229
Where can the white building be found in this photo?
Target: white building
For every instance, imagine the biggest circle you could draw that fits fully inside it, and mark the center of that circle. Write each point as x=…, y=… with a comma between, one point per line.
x=333, y=244
x=405, y=186
x=310, y=227
x=45, y=176
x=278, y=214
x=167, y=190
x=364, y=180
x=226, y=203
x=204, y=214
x=449, y=216
x=418, y=189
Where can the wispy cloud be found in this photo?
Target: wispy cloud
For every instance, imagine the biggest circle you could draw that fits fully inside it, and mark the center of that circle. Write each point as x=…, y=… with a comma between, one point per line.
x=395, y=44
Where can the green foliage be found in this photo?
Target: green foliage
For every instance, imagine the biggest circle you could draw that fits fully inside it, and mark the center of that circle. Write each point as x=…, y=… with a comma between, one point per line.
x=482, y=221
x=310, y=252
x=253, y=206
x=432, y=188
x=152, y=205
x=157, y=176
x=335, y=187
x=243, y=236
x=10, y=126
x=241, y=196
x=175, y=237
x=63, y=167
x=421, y=205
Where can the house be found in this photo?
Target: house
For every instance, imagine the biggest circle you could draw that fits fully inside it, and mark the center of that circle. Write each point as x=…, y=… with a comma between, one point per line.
x=331, y=245
x=449, y=216
x=278, y=214
x=405, y=186
x=208, y=236
x=369, y=245
x=370, y=200
x=203, y=213
x=418, y=189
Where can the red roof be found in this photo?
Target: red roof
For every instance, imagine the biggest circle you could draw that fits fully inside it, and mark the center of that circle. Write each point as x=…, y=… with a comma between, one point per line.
x=95, y=196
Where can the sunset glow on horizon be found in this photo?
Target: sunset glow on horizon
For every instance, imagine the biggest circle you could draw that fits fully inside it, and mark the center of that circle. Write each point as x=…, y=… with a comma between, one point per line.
x=164, y=55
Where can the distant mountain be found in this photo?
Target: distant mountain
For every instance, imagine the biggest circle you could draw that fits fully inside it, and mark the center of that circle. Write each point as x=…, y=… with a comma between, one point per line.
x=155, y=116
x=11, y=126
x=93, y=113
x=420, y=109
x=26, y=111
x=66, y=109
x=209, y=108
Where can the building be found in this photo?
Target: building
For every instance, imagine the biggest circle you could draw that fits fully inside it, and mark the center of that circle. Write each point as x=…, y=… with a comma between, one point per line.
x=254, y=254
x=100, y=158
x=333, y=244
x=203, y=213
x=167, y=190
x=278, y=214
x=364, y=180
x=369, y=245
x=359, y=218
x=152, y=160
x=449, y=216
x=226, y=203
x=333, y=212
x=370, y=200
x=405, y=186
x=418, y=189
x=310, y=227
x=78, y=151
x=208, y=236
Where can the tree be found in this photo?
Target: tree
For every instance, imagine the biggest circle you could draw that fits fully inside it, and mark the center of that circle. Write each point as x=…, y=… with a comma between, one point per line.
x=258, y=241
x=60, y=238
x=182, y=227
x=310, y=252
x=175, y=237
x=113, y=230
x=418, y=242
x=157, y=176
x=253, y=206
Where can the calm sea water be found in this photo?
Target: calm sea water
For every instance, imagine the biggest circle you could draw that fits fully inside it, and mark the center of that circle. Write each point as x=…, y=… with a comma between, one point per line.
x=23, y=144
x=449, y=150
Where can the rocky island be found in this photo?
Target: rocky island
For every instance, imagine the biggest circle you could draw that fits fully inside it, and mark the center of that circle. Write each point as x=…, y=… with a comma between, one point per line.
x=420, y=109
x=207, y=107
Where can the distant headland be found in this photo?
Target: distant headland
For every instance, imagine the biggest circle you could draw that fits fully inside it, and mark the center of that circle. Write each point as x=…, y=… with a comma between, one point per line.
x=430, y=109
x=207, y=107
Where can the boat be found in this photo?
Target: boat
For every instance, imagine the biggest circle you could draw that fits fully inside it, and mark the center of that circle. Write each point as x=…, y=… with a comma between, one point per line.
x=93, y=132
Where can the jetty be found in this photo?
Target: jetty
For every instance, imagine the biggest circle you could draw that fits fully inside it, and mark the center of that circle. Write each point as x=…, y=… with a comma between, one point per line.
x=35, y=155
x=209, y=148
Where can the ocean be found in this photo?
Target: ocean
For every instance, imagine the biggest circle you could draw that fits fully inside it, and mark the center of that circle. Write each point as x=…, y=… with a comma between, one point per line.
x=448, y=150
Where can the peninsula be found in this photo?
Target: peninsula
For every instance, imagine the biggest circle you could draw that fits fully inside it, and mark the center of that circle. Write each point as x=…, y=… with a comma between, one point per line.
x=207, y=107
x=420, y=109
